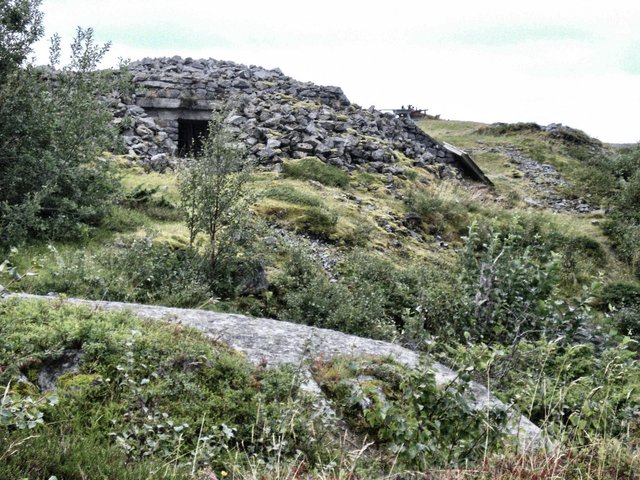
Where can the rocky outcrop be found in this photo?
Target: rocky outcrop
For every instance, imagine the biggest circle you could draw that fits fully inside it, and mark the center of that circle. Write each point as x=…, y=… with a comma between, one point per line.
x=275, y=116
x=272, y=342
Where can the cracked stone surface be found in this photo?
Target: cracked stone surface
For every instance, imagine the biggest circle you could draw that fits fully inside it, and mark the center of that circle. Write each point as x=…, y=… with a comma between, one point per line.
x=278, y=342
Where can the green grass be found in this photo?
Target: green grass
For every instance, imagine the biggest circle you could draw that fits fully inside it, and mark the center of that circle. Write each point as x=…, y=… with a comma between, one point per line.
x=347, y=213
x=511, y=187
x=314, y=169
x=142, y=396
x=290, y=194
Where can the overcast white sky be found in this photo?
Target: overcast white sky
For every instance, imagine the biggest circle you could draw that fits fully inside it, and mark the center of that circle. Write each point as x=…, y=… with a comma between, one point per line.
x=573, y=62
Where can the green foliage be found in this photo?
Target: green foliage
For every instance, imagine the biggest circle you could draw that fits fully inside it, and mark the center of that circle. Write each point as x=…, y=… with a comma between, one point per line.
x=289, y=194
x=367, y=299
x=575, y=391
x=509, y=284
x=438, y=215
x=53, y=183
x=151, y=202
x=57, y=453
x=613, y=178
x=147, y=397
x=24, y=412
x=509, y=128
x=423, y=425
x=587, y=247
x=380, y=289
x=620, y=294
x=504, y=287
x=625, y=235
x=139, y=271
x=314, y=169
x=306, y=295
x=582, y=258
x=621, y=302
x=627, y=321
x=213, y=194
x=20, y=27
x=316, y=221
x=8, y=273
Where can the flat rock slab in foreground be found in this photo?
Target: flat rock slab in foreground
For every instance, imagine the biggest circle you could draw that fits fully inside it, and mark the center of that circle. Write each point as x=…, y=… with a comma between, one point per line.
x=278, y=342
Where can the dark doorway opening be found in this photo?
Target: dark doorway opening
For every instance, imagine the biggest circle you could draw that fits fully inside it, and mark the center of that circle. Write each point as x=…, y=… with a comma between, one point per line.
x=191, y=136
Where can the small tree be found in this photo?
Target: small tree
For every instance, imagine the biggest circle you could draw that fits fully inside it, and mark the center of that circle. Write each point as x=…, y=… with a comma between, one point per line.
x=54, y=129
x=20, y=27
x=213, y=192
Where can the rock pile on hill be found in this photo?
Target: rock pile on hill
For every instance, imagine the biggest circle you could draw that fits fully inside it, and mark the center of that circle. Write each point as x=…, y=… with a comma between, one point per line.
x=276, y=117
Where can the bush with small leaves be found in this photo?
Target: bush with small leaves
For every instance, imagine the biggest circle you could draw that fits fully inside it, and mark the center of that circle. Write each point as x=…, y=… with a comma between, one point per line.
x=53, y=182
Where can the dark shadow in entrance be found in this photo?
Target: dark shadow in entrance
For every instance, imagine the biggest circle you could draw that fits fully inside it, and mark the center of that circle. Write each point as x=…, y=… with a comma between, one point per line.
x=191, y=136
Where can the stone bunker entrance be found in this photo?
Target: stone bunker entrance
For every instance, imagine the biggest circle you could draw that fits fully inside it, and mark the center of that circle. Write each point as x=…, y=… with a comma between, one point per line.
x=191, y=136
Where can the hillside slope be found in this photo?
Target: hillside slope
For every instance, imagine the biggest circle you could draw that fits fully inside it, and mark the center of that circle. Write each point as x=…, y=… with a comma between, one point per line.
x=528, y=287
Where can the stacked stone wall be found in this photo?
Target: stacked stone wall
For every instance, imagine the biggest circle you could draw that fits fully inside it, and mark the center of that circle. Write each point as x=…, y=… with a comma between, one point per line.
x=275, y=116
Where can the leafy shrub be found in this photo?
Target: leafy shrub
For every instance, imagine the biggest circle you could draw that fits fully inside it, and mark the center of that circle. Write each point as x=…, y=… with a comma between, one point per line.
x=152, y=203
x=162, y=398
x=509, y=128
x=582, y=258
x=627, y=321
x=306, y=295
x=20, y=27
x=620, y=294
x=510, y=286
x=319, y=222
x=53, y=183
x=587, y=247
x=213, y=193
x=141, y=271
x=379, y=288
x=574, y=391
x=314, y=169
x=440, y=308
x=439, y=216
x=422, y=425
x=629, y=197
x=614, y=179
x=625, y=235
x=595, y=182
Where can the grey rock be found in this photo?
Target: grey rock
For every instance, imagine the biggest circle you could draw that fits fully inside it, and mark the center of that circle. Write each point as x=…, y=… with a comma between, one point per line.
x=378, y=155
x=267, y=153
x=159, y=102
x=277, y=342
x=143, y=131
x=235, y=120
x=262, y=74
x=273, y=143
x=241, y=83
x=169, y=89
x=161, y=162
x=68, y=362
x=305, y=147
x=156, y=84
x=270, y=241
